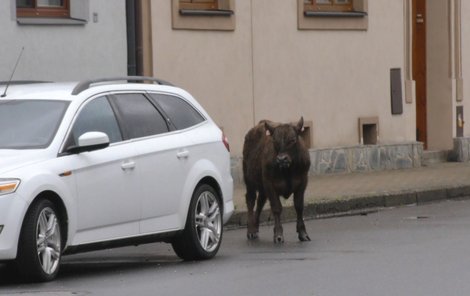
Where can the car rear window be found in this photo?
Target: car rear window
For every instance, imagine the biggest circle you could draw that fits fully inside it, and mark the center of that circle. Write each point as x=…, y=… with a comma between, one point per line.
x=139, y=116
x=180, y=112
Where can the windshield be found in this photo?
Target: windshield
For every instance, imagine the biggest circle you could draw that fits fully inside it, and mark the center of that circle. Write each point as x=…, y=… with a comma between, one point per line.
x=29, y=124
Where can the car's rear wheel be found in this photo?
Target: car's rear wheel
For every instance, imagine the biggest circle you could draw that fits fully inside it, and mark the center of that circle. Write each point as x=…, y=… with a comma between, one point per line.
x=39, y=248
x=202, y=235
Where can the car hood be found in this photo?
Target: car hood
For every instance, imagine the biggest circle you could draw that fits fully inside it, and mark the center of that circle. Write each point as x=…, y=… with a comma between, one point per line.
x=14, y=159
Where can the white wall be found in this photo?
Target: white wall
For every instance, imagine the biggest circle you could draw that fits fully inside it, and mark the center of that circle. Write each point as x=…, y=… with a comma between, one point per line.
x=65, y=52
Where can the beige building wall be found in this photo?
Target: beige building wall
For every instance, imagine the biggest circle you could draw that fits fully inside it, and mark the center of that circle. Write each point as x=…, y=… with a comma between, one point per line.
x=465, y=56
x=214, y=66
x=447, y=62
x=331, y=77
x=267, y=68
x=439, y=81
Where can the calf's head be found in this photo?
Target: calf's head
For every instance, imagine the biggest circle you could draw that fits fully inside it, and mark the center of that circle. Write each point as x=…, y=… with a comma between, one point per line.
x=284, y=139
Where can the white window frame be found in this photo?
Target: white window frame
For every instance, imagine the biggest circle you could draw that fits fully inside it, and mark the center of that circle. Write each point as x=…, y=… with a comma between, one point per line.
x=79, y=15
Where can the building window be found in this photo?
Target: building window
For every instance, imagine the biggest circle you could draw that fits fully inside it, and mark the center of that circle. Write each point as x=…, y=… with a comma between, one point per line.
x=222, y=6
x=205, y=8
x=332, y=14
x=203, y=14
x=43, y=8
x=198, y=5
x=328, y=5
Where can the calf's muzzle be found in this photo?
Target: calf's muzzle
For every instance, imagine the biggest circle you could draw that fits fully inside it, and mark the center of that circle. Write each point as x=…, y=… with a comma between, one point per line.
x=283, y=161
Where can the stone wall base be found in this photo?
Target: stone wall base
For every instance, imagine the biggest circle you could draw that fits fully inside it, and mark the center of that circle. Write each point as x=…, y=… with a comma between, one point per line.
x=366, y=158
x=461, y=151
x=361, y=158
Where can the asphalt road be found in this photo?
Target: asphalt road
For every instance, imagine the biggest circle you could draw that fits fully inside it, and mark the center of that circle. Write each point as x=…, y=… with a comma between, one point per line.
x=405, y=251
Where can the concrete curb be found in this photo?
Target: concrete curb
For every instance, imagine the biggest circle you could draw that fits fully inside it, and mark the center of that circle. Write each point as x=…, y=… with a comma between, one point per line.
x=358, y=204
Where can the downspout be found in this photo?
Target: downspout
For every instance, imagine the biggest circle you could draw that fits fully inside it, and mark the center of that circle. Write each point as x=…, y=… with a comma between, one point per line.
x=131, y=38
x=139, y=43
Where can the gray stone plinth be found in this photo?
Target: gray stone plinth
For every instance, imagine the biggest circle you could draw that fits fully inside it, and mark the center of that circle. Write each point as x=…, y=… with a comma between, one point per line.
x=360, y=158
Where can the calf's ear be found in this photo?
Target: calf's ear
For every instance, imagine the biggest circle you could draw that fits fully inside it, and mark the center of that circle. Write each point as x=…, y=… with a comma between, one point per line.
x=300, y=125
x=269, y=128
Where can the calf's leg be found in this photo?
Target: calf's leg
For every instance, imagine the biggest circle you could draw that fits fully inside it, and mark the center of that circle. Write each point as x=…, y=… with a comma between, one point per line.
x=250, y=197
x=259, y=208
x=299, y=209
x=276, y=209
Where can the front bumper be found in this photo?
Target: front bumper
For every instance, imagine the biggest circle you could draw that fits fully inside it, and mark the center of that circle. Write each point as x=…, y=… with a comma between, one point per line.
x=12, y=209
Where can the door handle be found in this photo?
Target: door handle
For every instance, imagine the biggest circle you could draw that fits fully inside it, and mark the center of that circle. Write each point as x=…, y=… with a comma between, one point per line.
x=128, y=165
x=182, y=154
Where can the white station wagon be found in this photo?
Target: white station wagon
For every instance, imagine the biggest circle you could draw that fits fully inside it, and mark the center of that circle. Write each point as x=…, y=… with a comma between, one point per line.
x=107, y=163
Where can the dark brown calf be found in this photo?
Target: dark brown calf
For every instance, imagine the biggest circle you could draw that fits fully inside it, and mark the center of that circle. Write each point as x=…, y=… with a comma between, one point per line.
x=275, y=163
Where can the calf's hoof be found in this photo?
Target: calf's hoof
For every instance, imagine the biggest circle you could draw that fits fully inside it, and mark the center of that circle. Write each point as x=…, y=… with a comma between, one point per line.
x=252, y=235
x=303, y=237
x=279, y=239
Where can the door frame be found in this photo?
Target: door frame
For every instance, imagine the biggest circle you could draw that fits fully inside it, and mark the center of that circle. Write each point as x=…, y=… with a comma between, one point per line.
x=419, y=67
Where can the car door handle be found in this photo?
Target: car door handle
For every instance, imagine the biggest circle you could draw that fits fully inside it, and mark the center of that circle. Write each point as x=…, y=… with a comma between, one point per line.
x=182, y=154
x=128, y=165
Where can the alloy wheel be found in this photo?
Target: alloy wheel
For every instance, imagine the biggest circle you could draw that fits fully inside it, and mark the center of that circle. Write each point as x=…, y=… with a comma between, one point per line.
x=48, y=240
x=208, y=221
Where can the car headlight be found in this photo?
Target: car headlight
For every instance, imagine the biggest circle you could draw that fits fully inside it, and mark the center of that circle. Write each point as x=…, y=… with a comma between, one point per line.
x=8, y=185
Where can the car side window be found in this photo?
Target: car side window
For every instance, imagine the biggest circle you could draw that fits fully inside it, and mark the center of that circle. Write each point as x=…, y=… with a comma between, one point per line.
x=97, y=116
x=139, y=116
x=180, y=112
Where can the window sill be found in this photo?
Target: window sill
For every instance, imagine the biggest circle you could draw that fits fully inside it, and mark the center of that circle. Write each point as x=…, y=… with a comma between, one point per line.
x=207, y=12
x=49, y=21
x=357, y=14
x=213, y=20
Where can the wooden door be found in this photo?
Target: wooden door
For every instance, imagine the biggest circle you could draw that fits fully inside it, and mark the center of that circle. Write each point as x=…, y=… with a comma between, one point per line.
x=419, y=67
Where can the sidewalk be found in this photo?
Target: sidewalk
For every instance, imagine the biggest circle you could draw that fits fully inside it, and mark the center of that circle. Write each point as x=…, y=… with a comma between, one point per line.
x=329, y=195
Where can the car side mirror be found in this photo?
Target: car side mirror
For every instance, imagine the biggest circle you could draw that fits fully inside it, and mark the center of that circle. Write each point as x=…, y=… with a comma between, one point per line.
x=90, y=141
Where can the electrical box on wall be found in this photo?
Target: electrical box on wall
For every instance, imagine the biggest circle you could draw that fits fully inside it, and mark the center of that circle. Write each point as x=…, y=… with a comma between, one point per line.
x=395, y=91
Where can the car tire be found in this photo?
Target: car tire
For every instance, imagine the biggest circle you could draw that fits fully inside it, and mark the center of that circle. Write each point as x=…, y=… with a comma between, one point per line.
x=202, y=235
x=40, y=245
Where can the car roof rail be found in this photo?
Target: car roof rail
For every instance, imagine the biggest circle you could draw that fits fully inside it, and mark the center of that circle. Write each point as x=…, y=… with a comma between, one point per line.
x=84, y=85
x=20, y=82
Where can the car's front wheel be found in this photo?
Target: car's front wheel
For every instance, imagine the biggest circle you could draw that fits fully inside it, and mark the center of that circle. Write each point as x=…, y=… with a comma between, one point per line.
x=39, y=248
x=202, y=235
